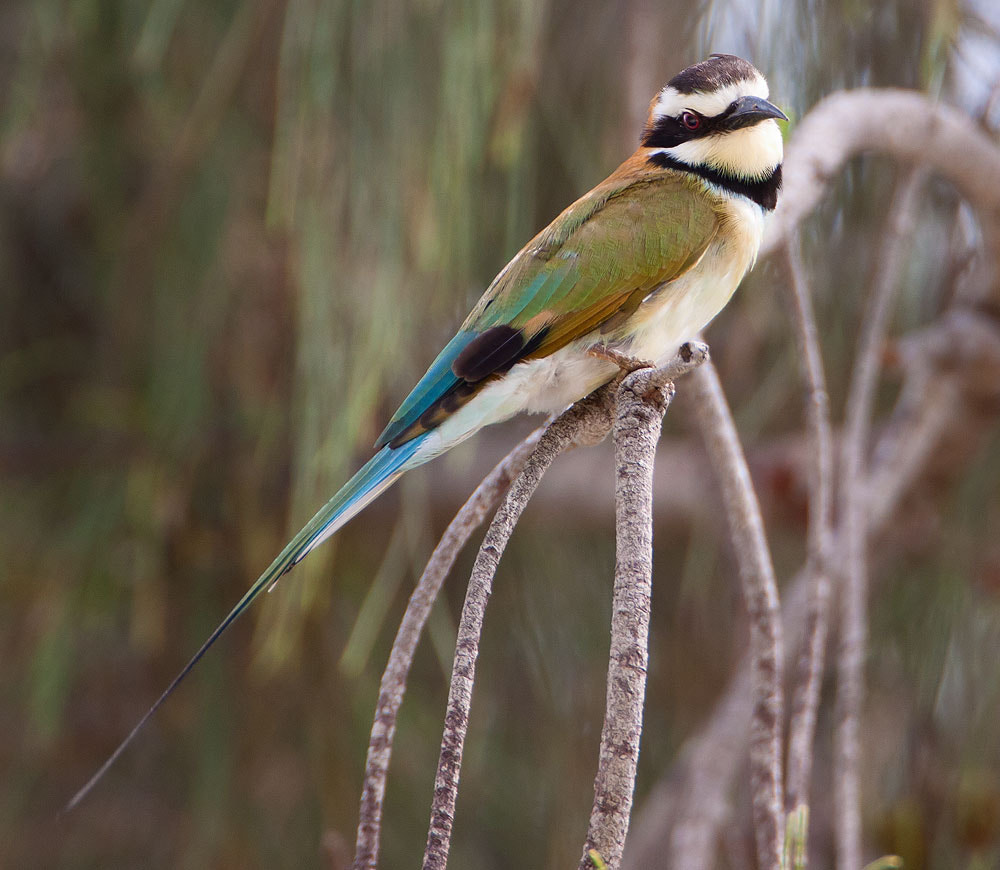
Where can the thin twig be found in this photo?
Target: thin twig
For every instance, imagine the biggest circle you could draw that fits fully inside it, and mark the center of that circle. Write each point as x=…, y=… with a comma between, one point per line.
x=760, y=592
x=809, y=667
x=642, y=400
x=589, y=416
x=855, y=526
x=393, y=685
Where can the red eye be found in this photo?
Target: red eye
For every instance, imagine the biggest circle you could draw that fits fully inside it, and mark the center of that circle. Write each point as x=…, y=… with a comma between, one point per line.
x=690, y=120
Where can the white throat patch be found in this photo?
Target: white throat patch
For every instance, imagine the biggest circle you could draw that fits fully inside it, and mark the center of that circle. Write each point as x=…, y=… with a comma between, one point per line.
x=752, y=153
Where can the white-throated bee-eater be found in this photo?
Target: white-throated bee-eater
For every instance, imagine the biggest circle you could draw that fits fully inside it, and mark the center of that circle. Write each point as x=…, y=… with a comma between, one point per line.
x=637, y=265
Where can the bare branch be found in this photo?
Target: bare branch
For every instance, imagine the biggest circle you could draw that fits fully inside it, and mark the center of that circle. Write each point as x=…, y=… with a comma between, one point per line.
x=809, y=667
x=642, y=400
x=582, y=423
x=393, y=685
x=855, y=526
x=760, y=592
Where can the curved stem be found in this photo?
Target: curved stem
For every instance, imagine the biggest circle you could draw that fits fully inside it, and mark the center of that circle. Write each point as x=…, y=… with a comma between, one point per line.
x=393, y=685
x=760, y=591
x=809, y=666
x=855, y=524
x=577, y=423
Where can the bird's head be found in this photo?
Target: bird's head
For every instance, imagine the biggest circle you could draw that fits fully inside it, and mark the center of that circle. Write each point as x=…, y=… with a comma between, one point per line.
x=715, y=115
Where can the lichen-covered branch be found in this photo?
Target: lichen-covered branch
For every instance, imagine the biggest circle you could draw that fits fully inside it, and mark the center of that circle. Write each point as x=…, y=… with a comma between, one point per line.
x=393, y=685
x=642, y=400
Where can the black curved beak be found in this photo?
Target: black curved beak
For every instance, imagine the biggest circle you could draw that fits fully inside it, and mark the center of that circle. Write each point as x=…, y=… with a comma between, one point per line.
x=747, y=111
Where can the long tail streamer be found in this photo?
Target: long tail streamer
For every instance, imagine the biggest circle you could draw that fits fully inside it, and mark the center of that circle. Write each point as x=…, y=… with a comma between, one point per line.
x=381, y=471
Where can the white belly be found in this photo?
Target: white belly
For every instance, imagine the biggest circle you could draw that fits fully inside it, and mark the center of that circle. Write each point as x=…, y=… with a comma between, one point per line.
x=669, y=316
x=537, y=387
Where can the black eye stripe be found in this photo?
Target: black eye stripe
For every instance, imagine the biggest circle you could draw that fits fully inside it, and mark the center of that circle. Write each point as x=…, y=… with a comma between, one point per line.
x=668, y=131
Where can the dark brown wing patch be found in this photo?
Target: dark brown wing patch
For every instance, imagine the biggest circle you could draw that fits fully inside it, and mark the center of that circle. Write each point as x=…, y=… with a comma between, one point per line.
x=495, y=350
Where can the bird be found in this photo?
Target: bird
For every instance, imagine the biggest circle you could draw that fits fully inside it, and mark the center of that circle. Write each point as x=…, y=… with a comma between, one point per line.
x=636, y=266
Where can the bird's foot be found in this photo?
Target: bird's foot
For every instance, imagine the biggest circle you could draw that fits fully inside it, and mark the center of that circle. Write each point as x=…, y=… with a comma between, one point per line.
x=627, y=364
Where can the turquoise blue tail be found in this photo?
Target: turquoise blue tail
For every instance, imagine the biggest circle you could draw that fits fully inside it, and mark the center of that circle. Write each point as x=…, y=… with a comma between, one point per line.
x=374, y=478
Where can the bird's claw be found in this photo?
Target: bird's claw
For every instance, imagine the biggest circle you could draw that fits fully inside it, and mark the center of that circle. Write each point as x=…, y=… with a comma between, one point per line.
x=627, y=364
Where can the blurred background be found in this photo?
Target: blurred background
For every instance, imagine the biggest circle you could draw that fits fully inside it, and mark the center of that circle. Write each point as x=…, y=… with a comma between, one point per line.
x=233, y=233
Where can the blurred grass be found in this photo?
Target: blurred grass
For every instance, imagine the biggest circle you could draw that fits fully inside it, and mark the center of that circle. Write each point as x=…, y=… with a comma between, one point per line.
x=233, y=233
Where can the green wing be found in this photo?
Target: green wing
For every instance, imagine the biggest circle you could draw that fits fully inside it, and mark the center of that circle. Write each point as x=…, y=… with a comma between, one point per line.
x=589, y=268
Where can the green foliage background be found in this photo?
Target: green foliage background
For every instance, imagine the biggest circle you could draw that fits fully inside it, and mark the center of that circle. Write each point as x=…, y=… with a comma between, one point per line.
x=232, y=234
